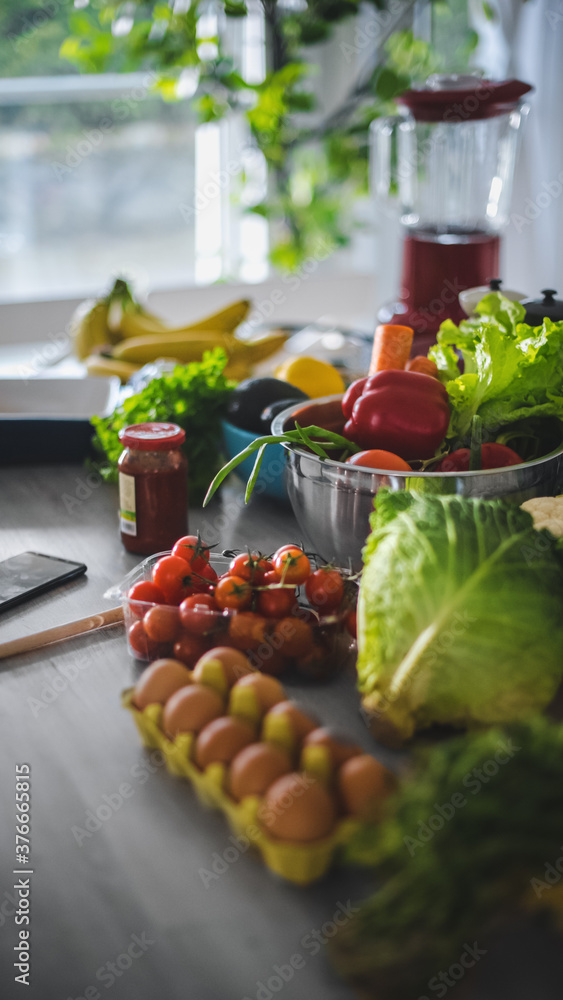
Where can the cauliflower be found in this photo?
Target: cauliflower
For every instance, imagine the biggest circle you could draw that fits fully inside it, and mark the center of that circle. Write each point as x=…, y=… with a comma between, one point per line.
x=547, y=512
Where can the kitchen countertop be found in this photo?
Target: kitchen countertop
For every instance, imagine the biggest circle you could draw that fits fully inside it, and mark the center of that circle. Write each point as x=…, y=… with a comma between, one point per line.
x=140, y=878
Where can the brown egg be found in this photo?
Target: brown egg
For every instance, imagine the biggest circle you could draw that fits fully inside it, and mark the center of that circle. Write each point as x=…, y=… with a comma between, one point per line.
x=190, y=709
x=296, y=807
x=222, y=739
x=255, y=768
x=268, y=690
x=159, y=681
x=234, y=663
x=300, y=723
x=340, y=748
x=363, y=785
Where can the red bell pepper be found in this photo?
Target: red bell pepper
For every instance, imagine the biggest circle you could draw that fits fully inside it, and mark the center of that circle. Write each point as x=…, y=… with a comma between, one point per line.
x=399, y=411
x=493, y=456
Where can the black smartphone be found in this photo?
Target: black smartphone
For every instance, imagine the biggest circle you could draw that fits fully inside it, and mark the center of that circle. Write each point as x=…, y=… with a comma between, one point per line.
x=31, y=573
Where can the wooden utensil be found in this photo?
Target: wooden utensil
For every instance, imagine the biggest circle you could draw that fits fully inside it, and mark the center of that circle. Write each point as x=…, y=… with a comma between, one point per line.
x=60, y=632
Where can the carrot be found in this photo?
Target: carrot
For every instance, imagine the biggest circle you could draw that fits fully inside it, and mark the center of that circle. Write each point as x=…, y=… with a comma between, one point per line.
x=423, y=365
x=391, y=347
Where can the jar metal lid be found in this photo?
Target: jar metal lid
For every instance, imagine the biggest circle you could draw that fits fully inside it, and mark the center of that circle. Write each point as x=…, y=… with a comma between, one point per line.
x=152, y=436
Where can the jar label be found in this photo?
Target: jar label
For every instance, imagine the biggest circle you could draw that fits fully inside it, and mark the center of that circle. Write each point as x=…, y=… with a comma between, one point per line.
x=127, y=505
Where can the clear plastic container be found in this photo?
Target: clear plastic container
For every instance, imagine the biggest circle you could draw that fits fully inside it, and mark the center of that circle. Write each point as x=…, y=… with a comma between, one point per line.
x=330, y=651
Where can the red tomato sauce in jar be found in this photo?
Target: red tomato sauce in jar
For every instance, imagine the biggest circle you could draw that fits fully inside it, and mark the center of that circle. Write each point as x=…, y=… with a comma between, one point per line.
x=153, y=487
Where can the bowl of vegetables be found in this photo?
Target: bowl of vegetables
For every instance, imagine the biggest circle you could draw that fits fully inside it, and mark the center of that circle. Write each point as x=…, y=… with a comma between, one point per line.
x=481, y=416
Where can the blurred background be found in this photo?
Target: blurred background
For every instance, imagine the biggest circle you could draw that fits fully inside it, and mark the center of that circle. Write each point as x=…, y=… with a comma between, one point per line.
x=189, y=144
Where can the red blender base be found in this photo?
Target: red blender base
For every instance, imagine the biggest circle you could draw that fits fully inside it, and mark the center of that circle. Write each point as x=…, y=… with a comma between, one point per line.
x=435, y=270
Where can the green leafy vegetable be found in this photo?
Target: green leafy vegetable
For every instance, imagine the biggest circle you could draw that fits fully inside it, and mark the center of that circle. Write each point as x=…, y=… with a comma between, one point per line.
x=304, y=436
x=459, y=613
x=194, y=396
x=512, y=371
x=470, y=835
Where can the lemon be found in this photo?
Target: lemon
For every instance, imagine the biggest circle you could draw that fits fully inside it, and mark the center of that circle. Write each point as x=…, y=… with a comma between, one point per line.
x=316, y=378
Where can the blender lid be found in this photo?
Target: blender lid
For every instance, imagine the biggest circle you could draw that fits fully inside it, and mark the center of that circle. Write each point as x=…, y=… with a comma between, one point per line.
x=455, y=99
x=539, y=309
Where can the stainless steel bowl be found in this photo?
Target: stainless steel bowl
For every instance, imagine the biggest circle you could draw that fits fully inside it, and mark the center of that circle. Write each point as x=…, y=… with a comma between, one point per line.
x=332, y=501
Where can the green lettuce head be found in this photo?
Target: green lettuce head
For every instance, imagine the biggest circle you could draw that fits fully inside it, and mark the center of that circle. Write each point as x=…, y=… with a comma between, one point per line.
x=460, y=613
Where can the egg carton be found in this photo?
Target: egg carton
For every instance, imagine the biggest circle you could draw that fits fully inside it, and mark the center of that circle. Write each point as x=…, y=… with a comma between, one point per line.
x=298, y=862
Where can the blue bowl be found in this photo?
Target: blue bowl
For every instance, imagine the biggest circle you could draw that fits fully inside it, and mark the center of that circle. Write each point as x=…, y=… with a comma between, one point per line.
x=271, y=478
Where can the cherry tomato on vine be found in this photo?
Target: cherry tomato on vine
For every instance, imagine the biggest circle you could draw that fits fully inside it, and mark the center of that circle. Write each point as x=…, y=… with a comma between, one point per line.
x=195, y=613
x=270, y=578
x=146, y=592
x=233, y=592
x=161, y=623
x=276, y=602
x=250, y=566
x=325, y=589
x=172, y=575
x=291, y=565
x=193, y=551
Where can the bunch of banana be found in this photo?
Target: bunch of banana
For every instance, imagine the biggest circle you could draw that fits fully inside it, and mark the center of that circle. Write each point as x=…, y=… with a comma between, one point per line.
x=135, y=337
x=97, y=322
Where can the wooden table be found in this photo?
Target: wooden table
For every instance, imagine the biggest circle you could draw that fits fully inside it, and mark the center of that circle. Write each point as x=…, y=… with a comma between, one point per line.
x=124, y=903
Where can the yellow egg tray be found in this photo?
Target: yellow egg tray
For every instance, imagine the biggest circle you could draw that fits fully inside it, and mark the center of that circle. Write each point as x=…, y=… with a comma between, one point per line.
x=300, y=863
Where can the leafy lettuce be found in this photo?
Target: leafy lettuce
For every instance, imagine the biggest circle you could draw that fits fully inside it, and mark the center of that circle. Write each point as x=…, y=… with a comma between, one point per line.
x=512, y=371
x=459, y=615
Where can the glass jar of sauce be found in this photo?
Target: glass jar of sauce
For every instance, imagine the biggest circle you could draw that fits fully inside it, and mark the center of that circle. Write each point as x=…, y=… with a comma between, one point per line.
x=153, y=487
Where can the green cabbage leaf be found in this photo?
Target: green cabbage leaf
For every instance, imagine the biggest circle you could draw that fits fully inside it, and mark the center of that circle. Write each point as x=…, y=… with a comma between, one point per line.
x=460, y=613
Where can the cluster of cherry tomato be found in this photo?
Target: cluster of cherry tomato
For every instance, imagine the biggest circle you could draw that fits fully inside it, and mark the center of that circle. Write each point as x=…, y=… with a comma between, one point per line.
x=187, y=608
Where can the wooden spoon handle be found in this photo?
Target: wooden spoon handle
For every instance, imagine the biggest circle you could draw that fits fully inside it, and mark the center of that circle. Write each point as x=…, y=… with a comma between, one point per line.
x=38, y=639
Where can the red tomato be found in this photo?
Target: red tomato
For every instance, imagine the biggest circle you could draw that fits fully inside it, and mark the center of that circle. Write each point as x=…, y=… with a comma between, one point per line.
x=325, y=589
x=270, y=578
x=291, y=565
x=172, y=575
x=146, y=592
x=208, y=574
x=195, y=613
x=143, y=647
x=193, y=551
x=376, y=458
x=189, y=648
x=250, y=566
x=161, y=623
x=246, y=630
x=233, y=592
x=351, y=623
x=275, y=602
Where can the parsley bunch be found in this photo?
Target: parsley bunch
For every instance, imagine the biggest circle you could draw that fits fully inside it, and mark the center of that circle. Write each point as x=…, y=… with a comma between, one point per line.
x=193, y=396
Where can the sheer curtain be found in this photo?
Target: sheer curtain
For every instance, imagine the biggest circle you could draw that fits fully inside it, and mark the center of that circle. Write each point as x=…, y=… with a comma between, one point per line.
x=526, y=41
